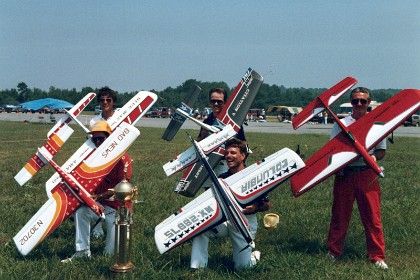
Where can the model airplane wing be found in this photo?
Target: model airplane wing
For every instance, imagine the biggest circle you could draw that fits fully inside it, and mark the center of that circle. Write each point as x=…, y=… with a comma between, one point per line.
x=177, y=119
x=319, y=104
x=57, y=136
x=208, y=145
x=368, y=130
x=233, y=113
x=258, y=179
x=72, y=190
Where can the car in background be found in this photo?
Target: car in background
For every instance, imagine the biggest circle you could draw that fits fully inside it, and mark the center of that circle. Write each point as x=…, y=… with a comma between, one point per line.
x=414, y=120
x=160, y=112
x=98, y=110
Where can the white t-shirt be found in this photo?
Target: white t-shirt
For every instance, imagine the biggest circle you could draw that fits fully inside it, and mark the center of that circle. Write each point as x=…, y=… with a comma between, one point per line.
x=348, y=121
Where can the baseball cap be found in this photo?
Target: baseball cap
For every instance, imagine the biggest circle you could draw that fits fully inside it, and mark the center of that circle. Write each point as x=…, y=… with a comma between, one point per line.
x=101, y=126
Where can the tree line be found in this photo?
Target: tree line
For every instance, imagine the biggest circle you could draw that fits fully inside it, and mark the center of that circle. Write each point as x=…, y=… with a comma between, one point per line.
x=172, y=97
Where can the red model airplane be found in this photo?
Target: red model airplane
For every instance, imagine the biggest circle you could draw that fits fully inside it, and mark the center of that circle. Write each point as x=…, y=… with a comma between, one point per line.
x=353, y=141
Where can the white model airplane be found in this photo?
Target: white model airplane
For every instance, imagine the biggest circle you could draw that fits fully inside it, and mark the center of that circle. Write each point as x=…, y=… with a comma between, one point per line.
x=233, y=114
x=224, y=201
x=79, y=177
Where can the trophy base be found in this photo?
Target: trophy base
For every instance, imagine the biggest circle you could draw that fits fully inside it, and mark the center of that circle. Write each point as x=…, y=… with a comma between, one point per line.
x=122, y=268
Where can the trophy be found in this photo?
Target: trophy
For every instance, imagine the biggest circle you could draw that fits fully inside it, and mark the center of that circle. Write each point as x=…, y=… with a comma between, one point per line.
x=124, y=192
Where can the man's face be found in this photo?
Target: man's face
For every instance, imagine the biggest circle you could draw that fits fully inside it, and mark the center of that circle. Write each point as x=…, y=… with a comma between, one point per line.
x=234, y=158
x=107, y=103
x=360, y=103
x=216, y=102
x=98, y=137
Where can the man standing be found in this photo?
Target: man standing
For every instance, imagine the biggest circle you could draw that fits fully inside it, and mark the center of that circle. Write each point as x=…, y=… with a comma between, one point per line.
x=84, y=216
x=217, y=100
x=107, y=98
x=358, y=182
x=243, y=256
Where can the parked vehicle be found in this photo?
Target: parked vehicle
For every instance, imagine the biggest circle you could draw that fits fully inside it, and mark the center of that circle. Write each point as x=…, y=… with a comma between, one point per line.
x=414, y=120
x=346, y=109
x=160, y=112
x=98, y=110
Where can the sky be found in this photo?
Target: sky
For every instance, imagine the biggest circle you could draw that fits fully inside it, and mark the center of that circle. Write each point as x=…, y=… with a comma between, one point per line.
x=151, y=45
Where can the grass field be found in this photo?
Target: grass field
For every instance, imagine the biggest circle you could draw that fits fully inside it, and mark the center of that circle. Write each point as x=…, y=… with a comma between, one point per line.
x=295, y=250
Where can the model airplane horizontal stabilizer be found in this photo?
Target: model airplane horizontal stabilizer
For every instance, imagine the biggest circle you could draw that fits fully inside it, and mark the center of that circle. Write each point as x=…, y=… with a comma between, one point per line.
x=68, y=194
x=177, y=119
x=234, y=113
x=57, y=136
x=208, y=145
x=368, y=131
x=319, y=104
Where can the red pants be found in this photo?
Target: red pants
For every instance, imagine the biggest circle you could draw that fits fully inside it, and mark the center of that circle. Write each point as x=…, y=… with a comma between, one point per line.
x=359, y=186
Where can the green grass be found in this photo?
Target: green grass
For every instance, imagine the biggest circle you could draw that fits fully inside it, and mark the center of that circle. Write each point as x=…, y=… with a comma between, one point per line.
x=295, y=250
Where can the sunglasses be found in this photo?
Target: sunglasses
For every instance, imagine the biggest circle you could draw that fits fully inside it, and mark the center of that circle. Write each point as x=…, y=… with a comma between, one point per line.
x=99, y=138
x=356, y=101
x=105, y=99
x=214, y=101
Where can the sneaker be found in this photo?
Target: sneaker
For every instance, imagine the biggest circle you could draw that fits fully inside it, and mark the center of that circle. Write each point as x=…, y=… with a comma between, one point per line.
x=78, y=254
x=381, y=265
x=331, y=257
x=256, y=255
x=98, y=232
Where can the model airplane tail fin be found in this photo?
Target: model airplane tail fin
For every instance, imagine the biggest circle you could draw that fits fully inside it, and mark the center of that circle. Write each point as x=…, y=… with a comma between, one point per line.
x=319, y=104
x=57, y=136
x=236, y=108
x=178, y=119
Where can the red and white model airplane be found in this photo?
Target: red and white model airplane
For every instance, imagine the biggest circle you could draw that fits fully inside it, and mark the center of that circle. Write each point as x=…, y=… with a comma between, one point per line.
x=353, y=141
x=233, y=115
x=78, y=178
x=225, y=199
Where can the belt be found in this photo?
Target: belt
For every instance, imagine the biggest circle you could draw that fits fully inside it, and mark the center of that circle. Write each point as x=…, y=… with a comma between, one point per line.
x=356, y=168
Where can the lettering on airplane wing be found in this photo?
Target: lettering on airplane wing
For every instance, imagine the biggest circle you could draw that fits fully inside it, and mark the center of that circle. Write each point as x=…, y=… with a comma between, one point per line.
x=189, y=225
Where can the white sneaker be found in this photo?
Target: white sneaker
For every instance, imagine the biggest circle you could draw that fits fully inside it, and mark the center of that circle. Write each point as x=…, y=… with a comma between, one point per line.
x=331, y=257
x=78, y=254
x=97, y=231
x=381, y=265
x=256, y=255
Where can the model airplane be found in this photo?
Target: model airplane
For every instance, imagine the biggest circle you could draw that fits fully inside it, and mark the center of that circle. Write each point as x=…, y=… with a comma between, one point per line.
x=224, y=201
x=233, y=113
x=57, y=136
x=355, y=140
x=178, y=119
x=79, y=177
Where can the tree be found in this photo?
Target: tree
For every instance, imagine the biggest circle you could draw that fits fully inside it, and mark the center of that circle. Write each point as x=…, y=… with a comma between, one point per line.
x=23, y=92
